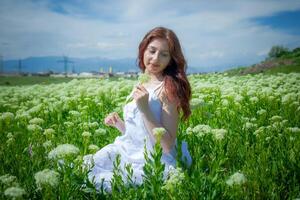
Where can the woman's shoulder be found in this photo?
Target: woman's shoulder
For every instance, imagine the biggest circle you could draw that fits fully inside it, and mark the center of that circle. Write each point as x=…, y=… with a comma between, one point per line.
x=166, y=101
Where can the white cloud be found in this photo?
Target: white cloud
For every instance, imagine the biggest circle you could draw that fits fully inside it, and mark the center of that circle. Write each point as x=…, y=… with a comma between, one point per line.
x=212, y=34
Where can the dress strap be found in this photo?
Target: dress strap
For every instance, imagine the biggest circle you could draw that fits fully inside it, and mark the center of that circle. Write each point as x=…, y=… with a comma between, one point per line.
x=159, y=86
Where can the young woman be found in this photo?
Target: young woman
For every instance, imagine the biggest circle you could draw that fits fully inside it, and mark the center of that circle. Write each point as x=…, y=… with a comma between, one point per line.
x=157, y=103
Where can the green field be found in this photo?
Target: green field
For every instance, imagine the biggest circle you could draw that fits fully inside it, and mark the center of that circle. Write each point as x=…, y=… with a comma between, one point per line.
x=31, y=80
x=243, y=134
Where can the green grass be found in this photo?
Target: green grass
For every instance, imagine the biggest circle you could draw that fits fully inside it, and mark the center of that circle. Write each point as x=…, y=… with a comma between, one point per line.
x=294, y=67
x=259, y=113
x=31, y=80
x=284, y=69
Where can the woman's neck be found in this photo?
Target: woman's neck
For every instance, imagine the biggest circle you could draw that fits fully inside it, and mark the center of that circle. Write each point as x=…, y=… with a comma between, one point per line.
x=156, y=78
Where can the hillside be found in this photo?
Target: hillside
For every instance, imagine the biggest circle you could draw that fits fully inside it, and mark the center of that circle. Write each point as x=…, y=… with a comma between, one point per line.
x=287, y=63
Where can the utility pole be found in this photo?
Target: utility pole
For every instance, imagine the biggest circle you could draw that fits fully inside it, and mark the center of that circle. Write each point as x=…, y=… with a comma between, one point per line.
x=1, y=64
x=20, y=66
x=66, y=61
x=73, y=69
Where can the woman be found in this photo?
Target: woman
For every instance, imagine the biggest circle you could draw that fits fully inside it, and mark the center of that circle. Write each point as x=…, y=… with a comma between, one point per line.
x=156, y=103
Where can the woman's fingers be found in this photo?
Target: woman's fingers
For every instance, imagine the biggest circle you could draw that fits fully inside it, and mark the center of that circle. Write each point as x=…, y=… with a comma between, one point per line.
x=142, y=88
x=112, y=119
x=109, y=120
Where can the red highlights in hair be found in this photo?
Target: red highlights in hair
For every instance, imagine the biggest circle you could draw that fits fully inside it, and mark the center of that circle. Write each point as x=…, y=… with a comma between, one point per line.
x=177, y=86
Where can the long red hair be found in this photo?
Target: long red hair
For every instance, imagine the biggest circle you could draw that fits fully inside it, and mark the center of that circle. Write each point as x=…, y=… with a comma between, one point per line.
x=177, y=86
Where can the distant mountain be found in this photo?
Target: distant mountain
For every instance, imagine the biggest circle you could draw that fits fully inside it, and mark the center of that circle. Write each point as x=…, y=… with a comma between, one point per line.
x=56, y=64
x=77, y=65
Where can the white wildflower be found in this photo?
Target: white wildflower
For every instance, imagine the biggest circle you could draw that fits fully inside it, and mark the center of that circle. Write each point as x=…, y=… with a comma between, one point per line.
x=288, y=98
x=253, y=119
x=249, y=125
x=238, y=105
x=93, y=148
x=46, y=177
x=34, y=128
x=7, y=117
x=69, y=124
x=8, y=180
x=236, y=179
x=74, y=113
x=49, y=132
x=225, y=102
x=14, y=192
x=158, y=133
x=47, y=144
x=271, y=98
x=189, y=130
x=238, y=98
x=254, y=99
x=10, y=141
x=251, y=93
x=202, y=129
x=259, y=131
x=261, y=112
x=23, y=116
x=219, y=133
x=275, y=118
x=62, y=151
x=93, y=125
x=210, y=103
x=195, y=102
x=143, y=78
x=86, y=134
x=293, y=129
x=175, y=178
x=295, y=104
x=37, y=121
x=9, y=135
x=100, y=131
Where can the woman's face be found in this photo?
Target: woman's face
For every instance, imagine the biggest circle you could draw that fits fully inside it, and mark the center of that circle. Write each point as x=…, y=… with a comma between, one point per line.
x=156, y=56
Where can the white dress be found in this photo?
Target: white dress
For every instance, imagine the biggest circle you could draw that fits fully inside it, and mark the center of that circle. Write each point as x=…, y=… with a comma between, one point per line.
x=130, y=146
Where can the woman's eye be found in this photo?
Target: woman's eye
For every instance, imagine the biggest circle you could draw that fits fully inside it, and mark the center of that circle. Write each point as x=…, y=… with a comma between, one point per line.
x=165, y=55
x=152, y=51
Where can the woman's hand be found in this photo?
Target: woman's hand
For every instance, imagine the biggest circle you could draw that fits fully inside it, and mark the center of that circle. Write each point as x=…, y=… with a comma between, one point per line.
x=114, y=120
x=141, y=96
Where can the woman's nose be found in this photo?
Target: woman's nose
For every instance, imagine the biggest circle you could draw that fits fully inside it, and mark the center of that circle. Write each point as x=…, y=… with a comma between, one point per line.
x=156, y=56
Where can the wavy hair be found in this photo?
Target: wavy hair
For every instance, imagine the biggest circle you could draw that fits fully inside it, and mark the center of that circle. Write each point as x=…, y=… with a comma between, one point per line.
x=177, y=86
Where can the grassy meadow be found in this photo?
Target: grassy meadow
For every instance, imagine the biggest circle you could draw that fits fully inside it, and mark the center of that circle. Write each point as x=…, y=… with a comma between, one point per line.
x=243, y=135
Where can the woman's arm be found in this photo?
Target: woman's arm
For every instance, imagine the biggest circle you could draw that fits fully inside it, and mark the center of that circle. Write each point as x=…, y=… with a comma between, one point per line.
x=113, y=119
x=169, y=119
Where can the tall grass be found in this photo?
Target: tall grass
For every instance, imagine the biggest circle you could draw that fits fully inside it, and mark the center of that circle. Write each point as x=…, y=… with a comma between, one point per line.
x=243, y=135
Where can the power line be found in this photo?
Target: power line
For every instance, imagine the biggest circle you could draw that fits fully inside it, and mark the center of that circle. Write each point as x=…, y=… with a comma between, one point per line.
x=66, y=61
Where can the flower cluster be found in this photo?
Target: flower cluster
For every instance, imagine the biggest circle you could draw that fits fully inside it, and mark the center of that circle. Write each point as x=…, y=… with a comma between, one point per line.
x=175, y=178
x=236, y=179
x=14, y=192
x=46, y=177
x=63, y=151
x=158, y=133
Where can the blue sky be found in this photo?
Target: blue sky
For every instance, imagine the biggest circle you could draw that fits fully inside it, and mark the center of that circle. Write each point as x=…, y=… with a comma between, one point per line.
x=212, y=33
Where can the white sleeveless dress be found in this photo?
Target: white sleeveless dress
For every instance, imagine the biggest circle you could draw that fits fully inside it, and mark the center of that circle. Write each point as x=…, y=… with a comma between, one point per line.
x=130, y=146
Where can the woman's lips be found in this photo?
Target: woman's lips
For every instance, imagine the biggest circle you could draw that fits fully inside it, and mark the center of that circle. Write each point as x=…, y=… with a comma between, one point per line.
x=154, y=65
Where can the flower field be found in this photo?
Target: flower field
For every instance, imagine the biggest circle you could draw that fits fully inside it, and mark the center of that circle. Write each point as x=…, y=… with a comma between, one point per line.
x=243, y=135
